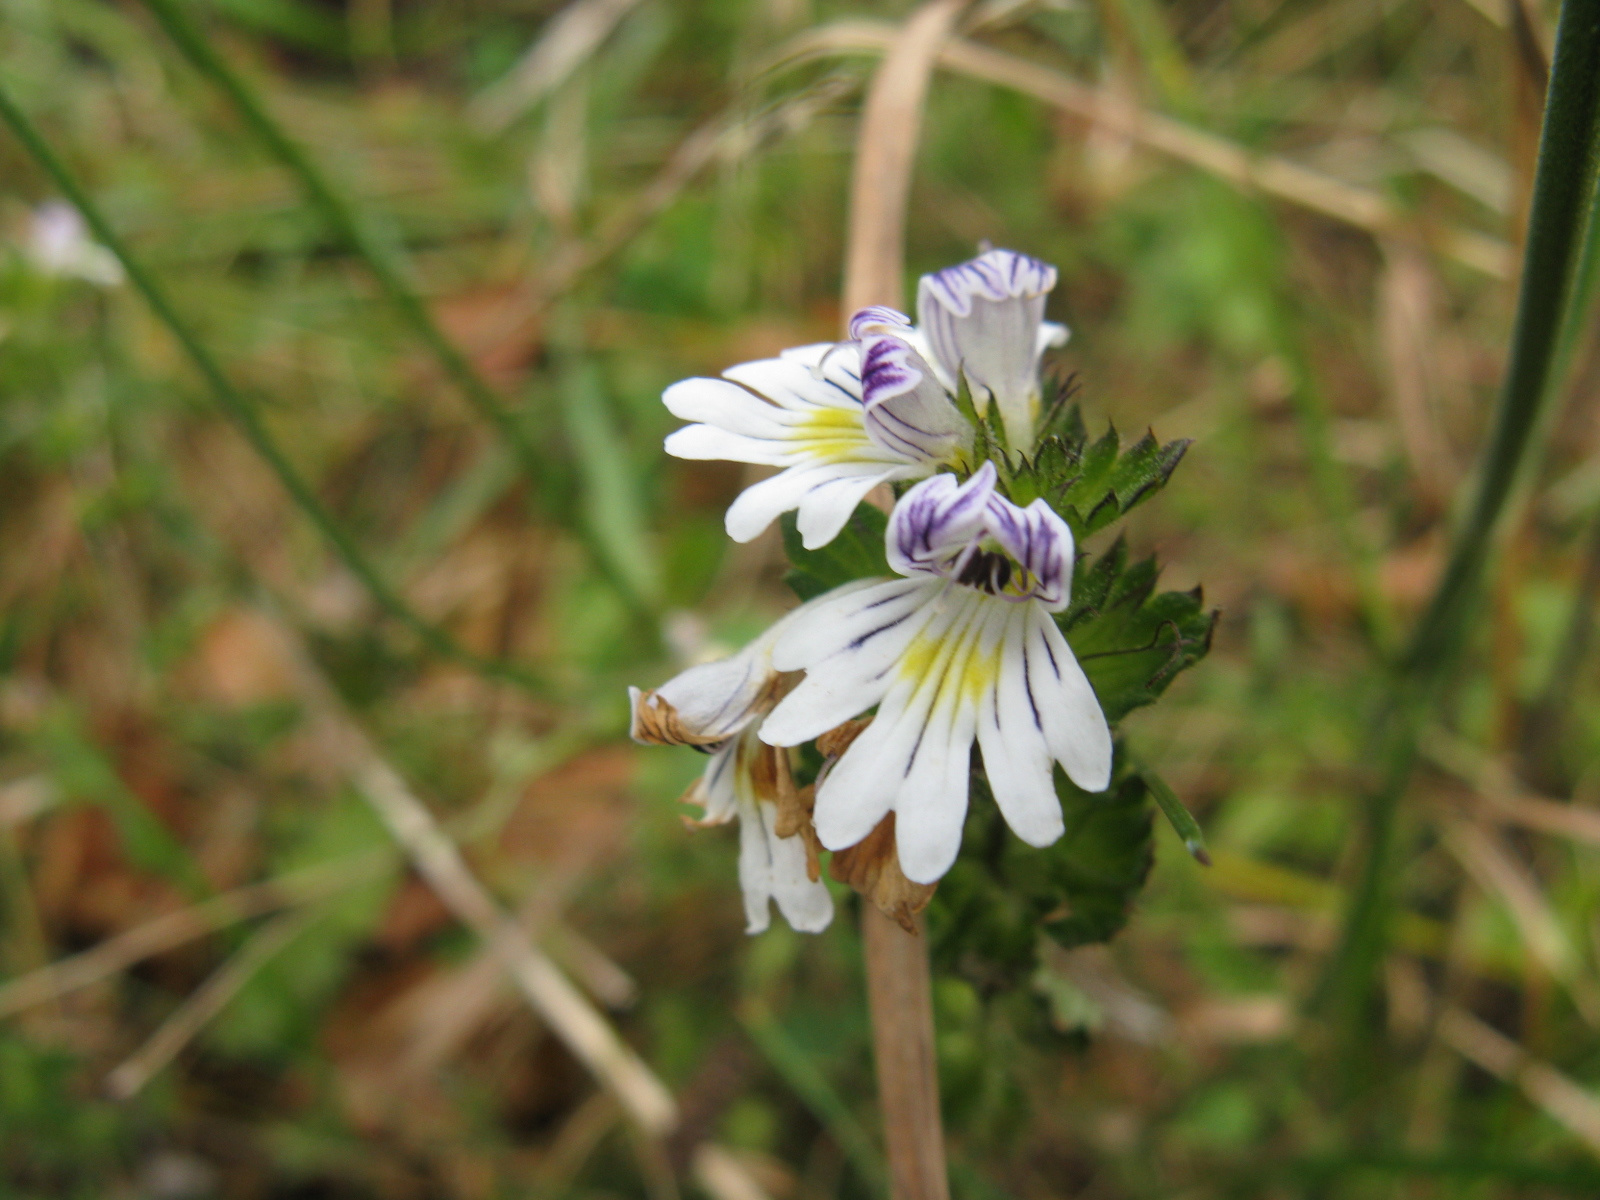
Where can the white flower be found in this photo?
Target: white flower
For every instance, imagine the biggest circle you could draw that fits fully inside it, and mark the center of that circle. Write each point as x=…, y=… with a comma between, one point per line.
x=745, y=779
x=985, y=318
x=840, y=419
x=962, y=647
x=717, y=707
x=59, y=244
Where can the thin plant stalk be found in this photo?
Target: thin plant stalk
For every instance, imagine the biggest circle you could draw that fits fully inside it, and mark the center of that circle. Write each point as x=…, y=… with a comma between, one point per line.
x=899, y=984
x=382, y=260
x=1563, y=185
x=1564, y=182
x=244, y=416
x=1545, y=721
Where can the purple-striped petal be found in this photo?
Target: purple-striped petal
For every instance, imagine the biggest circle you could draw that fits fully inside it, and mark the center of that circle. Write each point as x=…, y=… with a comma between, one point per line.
x=982, y=319
x=972, y=535
x=907, y=410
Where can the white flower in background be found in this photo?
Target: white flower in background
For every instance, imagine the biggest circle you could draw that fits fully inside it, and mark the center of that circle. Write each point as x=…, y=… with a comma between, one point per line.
x=985, y=318
x=962, y=647
x=840, y=419
x=717, y=707
x=59, y=244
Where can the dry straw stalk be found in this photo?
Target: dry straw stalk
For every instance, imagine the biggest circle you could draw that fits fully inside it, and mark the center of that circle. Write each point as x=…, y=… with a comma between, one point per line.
x=899, y=987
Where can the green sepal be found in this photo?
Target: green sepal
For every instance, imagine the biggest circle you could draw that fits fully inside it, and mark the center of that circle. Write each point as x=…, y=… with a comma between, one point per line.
x=983, y=921
x=1177, y=814
x=1131, y=640
x=1092, y=483
x=857, y=553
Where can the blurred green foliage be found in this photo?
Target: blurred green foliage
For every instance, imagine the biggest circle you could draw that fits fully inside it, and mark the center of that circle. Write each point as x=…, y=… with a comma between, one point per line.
x=154, y=753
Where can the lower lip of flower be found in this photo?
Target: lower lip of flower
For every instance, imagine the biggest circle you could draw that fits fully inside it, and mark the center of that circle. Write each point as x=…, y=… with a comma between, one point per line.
x=832, y=434
x=953, y=659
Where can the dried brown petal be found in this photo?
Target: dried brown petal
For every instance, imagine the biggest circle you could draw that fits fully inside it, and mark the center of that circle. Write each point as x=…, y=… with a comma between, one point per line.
x=872, y=867
x=794, y=811
x=837, y=740
x=695, y=794
x=656, y=723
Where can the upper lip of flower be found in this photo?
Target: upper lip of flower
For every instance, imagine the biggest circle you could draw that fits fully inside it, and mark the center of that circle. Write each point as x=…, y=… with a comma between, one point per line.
x=984, y=320
x=970, y=534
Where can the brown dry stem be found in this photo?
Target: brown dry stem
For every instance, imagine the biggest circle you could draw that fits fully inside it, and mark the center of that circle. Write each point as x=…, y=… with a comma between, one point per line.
x=898, y=985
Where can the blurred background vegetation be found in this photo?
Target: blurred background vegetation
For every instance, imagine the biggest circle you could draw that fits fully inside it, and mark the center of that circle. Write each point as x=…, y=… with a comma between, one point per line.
x=1287, y=230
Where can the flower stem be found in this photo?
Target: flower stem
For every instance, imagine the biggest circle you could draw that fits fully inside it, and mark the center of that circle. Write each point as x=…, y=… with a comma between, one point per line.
x=899, y=986
x=899, y=990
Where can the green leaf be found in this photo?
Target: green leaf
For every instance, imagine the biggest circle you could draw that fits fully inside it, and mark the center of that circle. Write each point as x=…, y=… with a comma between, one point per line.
x=857, y=553
x=983, y=921
x=1091, y=484
x=1131, y=641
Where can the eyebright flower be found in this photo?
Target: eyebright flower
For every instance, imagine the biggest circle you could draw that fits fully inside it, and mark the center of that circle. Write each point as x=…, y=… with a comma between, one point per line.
x=963, y=647
x=842, y=419
x=808, y=412
x=717, y=707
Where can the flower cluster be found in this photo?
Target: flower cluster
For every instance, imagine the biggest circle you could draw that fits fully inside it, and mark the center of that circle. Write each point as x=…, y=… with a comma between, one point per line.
x=960, y=645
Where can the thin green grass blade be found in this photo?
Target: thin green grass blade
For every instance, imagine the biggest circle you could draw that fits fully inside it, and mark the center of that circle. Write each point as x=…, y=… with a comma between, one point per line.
x=307, y=25
x=611, y=508
x=1563, y=187
x=245, y=417
x=800, y=1073
x=1564, y=183
x=382, y=259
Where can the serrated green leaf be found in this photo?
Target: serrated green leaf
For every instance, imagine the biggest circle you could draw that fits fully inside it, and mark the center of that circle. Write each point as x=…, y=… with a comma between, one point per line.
x=1130, y=641
x=1092, y=484
x=1062, y=418
x=857, y=553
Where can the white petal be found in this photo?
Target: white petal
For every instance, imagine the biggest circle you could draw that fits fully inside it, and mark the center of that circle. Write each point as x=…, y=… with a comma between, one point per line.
x=716, y=700
x=713, y=701
x=807, y=356
x=709, y=442
x=1016, y=756
x=725, y=405
x=827, y=506
x=792, y=384
x=848, y=619
x=717, y=788
x=860, y=789
x=774, y=868
x=931, y=805
x=982, y=318
x=914, y=756
x=1074, y=726
x=849, y=649
x=825, y=493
